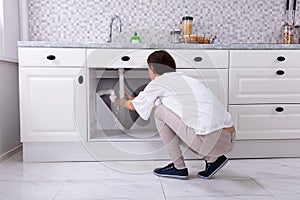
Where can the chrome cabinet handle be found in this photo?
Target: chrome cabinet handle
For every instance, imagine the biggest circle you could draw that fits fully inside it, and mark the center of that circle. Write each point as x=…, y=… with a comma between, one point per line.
x=51, y=57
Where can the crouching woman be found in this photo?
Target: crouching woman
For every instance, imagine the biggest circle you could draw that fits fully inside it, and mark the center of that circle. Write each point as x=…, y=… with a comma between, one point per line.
x=186, y=112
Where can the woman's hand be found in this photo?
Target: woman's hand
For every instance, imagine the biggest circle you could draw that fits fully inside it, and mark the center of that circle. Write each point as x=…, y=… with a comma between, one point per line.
x=126, y=102
x=128, y=96
x=122, y=103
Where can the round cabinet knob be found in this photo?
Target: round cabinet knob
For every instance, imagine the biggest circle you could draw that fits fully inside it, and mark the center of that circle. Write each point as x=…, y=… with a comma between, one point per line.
x=125, y=58
x=280, y=72
x=80, y=79
x=51, y=57
x=279, y=109
x=198, y=59
x=281, y=58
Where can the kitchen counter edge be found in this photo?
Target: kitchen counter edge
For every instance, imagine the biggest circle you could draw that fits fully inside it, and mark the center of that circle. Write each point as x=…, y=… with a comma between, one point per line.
x=246, y=46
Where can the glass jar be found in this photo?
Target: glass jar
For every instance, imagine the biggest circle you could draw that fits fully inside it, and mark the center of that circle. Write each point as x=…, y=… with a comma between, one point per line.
x=287, y=34
x=297, y=34
x=187, y=22
x=175, y=36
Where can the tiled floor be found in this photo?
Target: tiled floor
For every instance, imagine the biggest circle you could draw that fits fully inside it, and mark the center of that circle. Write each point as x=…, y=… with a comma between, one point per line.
x=259, y=179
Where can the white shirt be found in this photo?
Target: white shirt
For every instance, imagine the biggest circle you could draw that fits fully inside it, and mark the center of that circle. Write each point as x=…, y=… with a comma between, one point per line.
x=188, y=98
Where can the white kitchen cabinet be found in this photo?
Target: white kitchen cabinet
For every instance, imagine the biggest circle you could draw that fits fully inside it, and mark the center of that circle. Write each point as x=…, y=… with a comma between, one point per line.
x=118, y=58
x=52, y=57
x=209, y=66
x=112, y=132
x=200, y=59
x=259, y=87
x=271, y=121
x=53, y=116
x=264, y=94
x=50, y=101
x=264, y=85
x=264, y=58
x=137, y=58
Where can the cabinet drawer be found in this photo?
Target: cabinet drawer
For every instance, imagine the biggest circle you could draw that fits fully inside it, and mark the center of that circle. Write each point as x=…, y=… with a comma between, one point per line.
x=200, y=58
x=264, y=58
x=266, y=121
x=122, y=58
x=117, y=58
x=215, y=79
x=264, y=86
x=51, y=57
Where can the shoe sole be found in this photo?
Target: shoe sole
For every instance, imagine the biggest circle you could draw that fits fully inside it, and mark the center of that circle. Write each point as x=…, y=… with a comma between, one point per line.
x=171, y=176
x=208, y=177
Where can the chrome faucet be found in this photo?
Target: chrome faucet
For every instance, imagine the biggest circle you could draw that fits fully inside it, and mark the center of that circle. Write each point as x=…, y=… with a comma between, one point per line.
x=110, y=23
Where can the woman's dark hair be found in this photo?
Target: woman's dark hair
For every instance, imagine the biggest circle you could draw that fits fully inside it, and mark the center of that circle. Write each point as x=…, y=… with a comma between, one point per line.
x=161, y=62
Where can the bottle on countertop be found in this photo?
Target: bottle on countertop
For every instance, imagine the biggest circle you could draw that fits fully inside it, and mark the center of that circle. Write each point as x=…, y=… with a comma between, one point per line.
x=187, y=22
x=297, y=34
x=135, y=39
x=287, y=34
x=175, y=36
x=287, y=30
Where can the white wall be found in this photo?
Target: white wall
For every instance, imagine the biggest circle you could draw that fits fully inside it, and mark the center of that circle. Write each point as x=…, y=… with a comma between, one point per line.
x=11, y=27
x=9, y=107
x=9, y=92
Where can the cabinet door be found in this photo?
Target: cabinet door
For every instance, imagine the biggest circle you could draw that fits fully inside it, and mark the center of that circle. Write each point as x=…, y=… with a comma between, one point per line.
x=215, y=79
x=51, y=57
x=264, y=58
x=133, y=58
x=264, y=85
x=277, y=121
x=117, y=58
x=203, y=59
x=51, y=102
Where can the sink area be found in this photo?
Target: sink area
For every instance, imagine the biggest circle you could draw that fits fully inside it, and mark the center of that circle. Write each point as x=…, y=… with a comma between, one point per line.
x=148, y=35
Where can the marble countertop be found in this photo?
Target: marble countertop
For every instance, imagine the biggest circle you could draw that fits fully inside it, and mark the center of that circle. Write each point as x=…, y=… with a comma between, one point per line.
x=245, y=46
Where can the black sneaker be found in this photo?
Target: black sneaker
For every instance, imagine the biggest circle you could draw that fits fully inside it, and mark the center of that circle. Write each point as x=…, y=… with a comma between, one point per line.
x=212, y=168
x=171, y=171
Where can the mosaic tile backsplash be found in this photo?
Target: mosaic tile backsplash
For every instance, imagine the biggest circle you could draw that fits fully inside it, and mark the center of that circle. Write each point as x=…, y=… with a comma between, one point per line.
x=232, y=21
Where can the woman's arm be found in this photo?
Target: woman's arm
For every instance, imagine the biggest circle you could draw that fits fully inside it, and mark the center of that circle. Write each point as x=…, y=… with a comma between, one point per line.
x=128, y=104
x=143, y=103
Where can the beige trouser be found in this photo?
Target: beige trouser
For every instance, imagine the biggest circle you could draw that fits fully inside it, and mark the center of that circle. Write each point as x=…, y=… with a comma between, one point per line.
x=173, y=132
